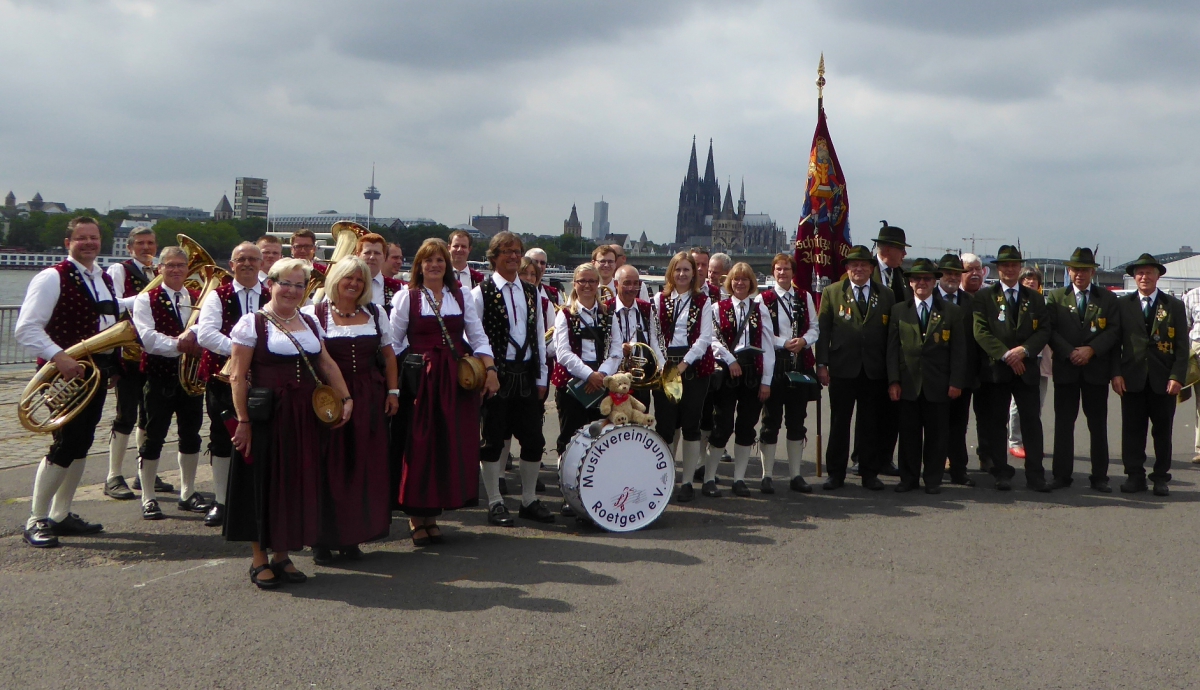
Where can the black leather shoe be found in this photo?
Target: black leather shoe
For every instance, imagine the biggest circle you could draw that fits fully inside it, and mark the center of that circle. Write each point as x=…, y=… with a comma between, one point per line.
x=872, y=484
x=1003, y=484
x=194, y=504
x=1160, y=488
x=118, y=489
x=740, y=489
x=159, y=485
x=964, y=480
x=1102, y=486
x=726, y=457
x=1057, y=484
x=322, y=555
x=353, y=553
x=800, y=486
x=1037, y=484
x=933, y=488
x=766, y=486
x=499, y=516
x=1133, y=486
x=833, y=483
x=698, y=475
x=151, y=511
x=855, y=470
x=537, y=512
x=685, y=493
x=905, y=486
x=73, y=525
x=503, y=487
x=294, y=577
x=890, y=470
x=710, y=489
x=215, y=516
x=567, y=510
x=273, y=583
x=540, y=487
x=41, y=535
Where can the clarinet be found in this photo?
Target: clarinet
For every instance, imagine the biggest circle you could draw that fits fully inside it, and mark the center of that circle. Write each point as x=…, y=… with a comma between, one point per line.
x=798, y=306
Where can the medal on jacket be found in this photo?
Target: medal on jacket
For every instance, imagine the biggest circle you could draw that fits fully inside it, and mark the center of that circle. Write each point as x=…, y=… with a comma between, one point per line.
x=1093, y=328
x=1171, y=332
x=1000, y=316
x=884, y=317
x=1101, y=322
x=946, y=335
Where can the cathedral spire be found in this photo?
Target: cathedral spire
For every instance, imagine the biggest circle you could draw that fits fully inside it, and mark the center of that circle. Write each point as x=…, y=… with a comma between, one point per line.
x=727, y=209
x=710, y=176
x=693, y=172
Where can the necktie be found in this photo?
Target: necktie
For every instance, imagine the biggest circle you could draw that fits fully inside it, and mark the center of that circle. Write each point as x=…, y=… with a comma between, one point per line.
x=175, y=305
x=1081, y=301
x=741, y=319
x=1146, y=307
x=924, y=316
x=246, y=298
x=1012, y=298
x=862, y=300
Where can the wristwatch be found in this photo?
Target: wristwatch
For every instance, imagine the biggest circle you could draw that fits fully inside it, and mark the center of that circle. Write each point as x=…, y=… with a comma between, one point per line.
x=493, y=368
x=394, y=391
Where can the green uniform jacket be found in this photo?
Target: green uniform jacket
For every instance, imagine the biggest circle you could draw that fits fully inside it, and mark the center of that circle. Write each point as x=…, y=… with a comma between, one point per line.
x=1099, y=327
x=899, y=285
x=997, y=331
x=851, y=342
x=929, y=363
x=968, y=331
x=1156, y=352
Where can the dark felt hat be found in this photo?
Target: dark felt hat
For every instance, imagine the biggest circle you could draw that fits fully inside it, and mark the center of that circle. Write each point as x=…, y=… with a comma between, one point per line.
x=1007, y=253
x=1146, y=260
x=890, y=234
x=951, y=262
x=924, y=267
x=1082, y=257
x=859, y=253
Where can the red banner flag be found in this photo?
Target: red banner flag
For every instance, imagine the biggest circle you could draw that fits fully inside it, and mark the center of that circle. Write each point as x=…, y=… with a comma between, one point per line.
x=823, y=236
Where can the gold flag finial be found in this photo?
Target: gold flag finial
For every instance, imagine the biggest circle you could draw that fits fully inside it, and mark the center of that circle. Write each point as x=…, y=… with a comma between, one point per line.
x=821, y=80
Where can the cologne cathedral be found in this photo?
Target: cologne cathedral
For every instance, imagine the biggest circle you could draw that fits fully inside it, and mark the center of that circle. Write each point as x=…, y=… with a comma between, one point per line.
x=705, y=221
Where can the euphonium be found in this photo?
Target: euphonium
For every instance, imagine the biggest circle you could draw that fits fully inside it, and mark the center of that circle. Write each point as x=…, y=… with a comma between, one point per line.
x=197, y=259
x=49, y=401
x=345, y=238
x=189, y=365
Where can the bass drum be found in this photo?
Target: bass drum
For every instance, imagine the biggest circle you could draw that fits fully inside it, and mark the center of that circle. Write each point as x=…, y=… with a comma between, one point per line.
x=619, y=476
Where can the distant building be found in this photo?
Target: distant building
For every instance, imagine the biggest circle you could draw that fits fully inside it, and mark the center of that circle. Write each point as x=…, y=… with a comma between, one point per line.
x=699, y=200
x=600, y=226
x=34, y=205
x=620, y=239
x=470, y=230
x=121, y=235
x=572, y=226
x=727, y=228
x=490, y=225
x=250, y=198
x=157, y=212
x=224, y=210
x=762, y=235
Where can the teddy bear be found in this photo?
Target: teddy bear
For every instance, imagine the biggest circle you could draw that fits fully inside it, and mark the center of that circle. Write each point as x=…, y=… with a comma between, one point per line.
x=619, y=406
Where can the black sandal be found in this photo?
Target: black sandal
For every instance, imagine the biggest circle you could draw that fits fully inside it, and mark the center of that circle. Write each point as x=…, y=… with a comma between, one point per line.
x=263, y=584
x=420, y=541
x=281, y=574
x=436, y=538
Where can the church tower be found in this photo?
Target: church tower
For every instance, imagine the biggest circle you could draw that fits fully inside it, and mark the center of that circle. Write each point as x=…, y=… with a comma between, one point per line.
x=727, y=227
x=690, y=219
x=572, y=226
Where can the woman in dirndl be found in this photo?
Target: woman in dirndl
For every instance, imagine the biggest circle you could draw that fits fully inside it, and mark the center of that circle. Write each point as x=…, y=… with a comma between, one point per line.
x=355, y=504
x=275, y=475
x=441, y=457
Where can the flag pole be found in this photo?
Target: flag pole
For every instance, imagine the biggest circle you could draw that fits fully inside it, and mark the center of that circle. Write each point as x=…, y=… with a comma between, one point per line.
x=820, y=106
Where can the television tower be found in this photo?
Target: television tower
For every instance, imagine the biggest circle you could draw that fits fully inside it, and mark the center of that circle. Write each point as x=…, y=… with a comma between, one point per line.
x=371, y=195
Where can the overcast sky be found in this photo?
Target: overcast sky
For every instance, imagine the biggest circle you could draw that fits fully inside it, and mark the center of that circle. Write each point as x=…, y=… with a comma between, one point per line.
x=1060, y=123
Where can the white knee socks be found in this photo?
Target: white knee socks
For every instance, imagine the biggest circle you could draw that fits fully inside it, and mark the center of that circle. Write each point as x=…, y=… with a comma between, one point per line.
x=491, y=480
x=139, y=438
x=767, y=451
x=741, y=459
x=116, y=454
x=795, y=453
x=690, y=451
x=711, y=462
x=220, y=467
x=147, y=470
x=529, y=477
x=187, y=474
x=49, y=478
x=61, y=505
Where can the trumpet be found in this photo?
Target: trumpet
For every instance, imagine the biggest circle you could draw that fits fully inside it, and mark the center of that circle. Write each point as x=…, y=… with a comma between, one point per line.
x=49, y=401
x=345, y=236
x=189, y=365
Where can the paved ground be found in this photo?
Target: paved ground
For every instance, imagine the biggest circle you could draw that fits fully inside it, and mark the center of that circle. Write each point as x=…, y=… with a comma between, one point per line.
x=971, y=588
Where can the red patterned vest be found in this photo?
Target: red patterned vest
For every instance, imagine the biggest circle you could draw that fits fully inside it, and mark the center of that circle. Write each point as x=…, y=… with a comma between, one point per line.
x=390, y=287
x=800, y=316
x=476, y=277
x=169, y=324
x=642, y=306
x=714, y=291
x=707, y=363
x=135, y=277
x=561, y=376
x=76, y=316
x=231, y=311
x=728, y=330
x=553, y=292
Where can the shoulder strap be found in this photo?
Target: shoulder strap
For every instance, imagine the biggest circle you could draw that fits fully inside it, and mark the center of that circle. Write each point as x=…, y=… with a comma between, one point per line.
x=300, y=349
x=437, y=311
x=322, y=312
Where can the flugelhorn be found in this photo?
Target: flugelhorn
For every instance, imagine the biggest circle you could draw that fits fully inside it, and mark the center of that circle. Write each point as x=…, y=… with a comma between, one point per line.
x=189, y=365
x=50, y=401
x=346, y=234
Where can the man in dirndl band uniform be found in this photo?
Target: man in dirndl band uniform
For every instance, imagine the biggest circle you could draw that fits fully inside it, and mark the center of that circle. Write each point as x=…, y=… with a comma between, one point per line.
x=516, y=330
x=794, y=326
x=632, y=322
x=64, y=305
x=218, y=315
x=460, y=252
x=713, y=272
x=160, y=315
x=130, y=277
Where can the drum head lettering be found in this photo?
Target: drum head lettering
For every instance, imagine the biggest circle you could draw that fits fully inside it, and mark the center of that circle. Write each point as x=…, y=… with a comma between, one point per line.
x=621, y=479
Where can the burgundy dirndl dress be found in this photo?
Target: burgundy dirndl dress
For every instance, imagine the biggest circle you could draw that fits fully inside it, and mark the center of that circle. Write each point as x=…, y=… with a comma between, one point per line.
x=275, y=500
x=355, y=505
x=441, y=456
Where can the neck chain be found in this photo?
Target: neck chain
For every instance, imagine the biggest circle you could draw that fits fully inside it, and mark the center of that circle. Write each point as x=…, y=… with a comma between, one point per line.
x=279, y=316
x=341, y=313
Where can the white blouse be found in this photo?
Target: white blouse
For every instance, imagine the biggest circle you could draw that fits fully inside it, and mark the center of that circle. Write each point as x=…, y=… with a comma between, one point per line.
x=243, y=333
x=472, y=325
x=338, y=331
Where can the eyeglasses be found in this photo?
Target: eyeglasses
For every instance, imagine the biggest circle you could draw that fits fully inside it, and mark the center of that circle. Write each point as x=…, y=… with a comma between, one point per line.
x=175, y=265
x=605, y=262
x=506, y=252
x=293, y=286
x=586, y=283
x=540, y=262
x=247, y=260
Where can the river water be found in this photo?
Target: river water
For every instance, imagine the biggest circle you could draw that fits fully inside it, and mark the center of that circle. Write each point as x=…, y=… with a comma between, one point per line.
x=12, y=286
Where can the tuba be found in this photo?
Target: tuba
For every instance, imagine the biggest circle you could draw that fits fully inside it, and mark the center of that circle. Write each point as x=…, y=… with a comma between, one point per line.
x=346, y=234
x=49, y=401
x=189, y=365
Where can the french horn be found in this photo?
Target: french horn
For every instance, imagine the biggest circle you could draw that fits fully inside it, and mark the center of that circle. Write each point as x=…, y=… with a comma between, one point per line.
x=189, y=365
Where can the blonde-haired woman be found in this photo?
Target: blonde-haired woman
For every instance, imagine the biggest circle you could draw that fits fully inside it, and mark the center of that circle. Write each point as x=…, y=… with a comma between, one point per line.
x=685, y=318
x=739, y=322
x=441, y=455
x=274, y=478
x=355, y=505
x=581, y=334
